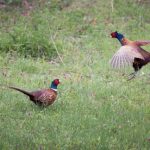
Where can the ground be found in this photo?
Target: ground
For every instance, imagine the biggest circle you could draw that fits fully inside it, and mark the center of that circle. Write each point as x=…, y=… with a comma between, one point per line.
x=96, y=108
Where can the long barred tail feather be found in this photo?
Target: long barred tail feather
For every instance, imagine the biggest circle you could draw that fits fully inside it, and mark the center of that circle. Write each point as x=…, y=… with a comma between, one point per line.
x=22, y=91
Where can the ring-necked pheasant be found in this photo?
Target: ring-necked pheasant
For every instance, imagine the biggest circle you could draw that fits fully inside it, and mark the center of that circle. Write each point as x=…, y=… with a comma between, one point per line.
x=42, y=97
x=130, y=53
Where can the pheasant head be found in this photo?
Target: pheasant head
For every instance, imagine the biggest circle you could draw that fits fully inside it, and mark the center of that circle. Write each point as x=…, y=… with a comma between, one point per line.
x=117, y=35
x=54, y=84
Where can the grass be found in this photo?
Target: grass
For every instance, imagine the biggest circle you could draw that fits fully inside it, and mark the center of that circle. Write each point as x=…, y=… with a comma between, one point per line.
x=96, y=107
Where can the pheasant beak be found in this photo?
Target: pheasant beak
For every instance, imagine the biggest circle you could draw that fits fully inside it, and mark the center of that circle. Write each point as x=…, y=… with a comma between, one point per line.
x=59, y=82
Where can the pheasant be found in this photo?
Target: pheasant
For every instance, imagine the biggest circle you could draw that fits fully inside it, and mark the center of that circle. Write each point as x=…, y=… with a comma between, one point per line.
x=42, y=97
x=130, y=53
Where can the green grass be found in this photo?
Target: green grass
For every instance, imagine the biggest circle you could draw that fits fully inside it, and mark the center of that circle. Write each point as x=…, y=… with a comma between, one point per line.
x=96, y=108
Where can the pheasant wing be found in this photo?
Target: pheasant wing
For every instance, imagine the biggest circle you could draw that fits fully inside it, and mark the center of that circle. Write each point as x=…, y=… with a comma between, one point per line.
x=125, y=56
x=142, y=43
x=47, y=97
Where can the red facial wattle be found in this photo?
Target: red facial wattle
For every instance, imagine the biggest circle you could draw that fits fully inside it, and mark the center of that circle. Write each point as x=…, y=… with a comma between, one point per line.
x=113, y=35
x=56, y=81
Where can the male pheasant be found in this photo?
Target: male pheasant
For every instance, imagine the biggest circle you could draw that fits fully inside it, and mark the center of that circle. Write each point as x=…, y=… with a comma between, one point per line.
x=130, y=53
x=42, y=97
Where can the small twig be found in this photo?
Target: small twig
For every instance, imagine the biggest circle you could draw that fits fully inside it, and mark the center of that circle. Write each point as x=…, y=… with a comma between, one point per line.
x=112, y=5
x=57, y=51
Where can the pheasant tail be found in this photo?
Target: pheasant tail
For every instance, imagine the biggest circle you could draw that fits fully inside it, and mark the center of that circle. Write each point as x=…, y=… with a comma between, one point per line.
x=22, y=91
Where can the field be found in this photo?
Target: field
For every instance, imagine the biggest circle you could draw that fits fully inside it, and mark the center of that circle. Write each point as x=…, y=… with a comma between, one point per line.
x=96, y=108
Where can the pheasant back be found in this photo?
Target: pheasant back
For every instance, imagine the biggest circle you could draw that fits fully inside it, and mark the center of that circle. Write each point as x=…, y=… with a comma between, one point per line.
x=44, y=97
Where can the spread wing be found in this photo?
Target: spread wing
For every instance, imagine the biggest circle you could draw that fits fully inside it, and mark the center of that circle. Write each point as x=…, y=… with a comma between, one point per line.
x=125, y=56
x=142, y=43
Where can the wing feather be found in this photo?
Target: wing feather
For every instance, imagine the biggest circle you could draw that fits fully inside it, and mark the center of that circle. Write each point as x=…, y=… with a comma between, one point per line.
x=47, y=97
x=142, y=43
x=125, y=56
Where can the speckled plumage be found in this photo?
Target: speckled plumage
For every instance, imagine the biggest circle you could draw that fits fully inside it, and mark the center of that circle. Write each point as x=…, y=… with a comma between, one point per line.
x=44, y=97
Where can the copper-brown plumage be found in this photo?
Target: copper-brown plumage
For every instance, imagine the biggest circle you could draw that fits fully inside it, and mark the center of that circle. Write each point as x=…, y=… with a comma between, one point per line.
x=130, y=53
x=42, y=97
